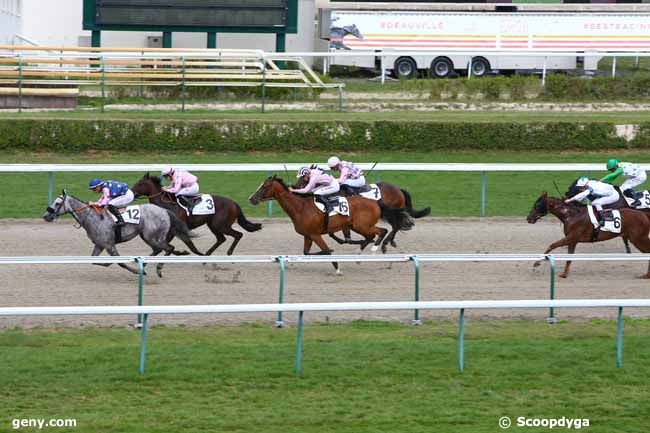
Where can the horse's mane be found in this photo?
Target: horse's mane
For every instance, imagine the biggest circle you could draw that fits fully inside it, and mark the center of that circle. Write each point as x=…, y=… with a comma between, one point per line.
x=156, y=181
x=281, y=182
x=286, y=188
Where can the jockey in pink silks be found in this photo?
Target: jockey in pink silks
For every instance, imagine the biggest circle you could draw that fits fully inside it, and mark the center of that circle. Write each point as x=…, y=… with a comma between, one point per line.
x=183, y=184
x=318, y=183
x=350, y=174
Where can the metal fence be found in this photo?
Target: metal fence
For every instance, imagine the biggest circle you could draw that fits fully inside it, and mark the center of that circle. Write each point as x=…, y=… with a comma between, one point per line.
x=377, y=168
x=343, y=306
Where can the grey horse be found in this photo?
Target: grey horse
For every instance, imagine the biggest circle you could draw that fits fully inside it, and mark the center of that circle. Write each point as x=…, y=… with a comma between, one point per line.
x=157, y=227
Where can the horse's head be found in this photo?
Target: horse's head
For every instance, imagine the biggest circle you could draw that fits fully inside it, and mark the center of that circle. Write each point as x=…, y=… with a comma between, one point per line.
x=353, y=30
x=265, y=190
x=58, y=207
x=147, y=186
x=540, y=208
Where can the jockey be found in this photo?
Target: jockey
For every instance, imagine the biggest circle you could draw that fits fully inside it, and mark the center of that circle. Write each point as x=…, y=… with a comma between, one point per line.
x=633, y=172
x=605, y=193
x=114, y=195
x=350, y=174
x=318, y=183
x=183, y=184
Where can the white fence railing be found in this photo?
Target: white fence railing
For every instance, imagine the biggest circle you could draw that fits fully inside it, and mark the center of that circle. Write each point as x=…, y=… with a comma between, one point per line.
x=145, y=311
x=283, y=260
x=377, y=168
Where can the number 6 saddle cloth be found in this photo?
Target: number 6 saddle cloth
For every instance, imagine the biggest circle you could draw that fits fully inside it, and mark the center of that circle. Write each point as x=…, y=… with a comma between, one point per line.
x=612, y=220
x=203, y=205
x=340, y=206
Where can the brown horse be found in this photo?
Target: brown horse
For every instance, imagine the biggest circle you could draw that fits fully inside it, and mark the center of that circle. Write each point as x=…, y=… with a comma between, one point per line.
x=391, y=196
x=220, y=223
x=578, y=227
x=308, y=220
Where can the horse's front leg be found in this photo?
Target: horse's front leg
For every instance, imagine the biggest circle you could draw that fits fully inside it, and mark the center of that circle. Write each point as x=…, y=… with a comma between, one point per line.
x=306, y=245
x=567, y=266
x=113, y=252
x=97, y=250
x=562, y=242
x=325, y=250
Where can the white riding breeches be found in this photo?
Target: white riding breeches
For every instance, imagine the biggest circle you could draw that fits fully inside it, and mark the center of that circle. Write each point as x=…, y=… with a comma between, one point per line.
x=603, y=201
x=633, y=181
x=356, y=183
x=327, y=189
x=190, y=190
x=122, y=200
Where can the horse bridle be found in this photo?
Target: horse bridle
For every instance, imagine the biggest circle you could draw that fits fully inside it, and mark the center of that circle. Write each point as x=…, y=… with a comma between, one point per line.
x=74, y=212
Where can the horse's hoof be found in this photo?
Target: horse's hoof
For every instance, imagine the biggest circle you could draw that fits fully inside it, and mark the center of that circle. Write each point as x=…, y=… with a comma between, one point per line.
x=645, y=276
x=339, y=273
x=159, y=274
x=536, y=264
x=393, y=244
x=563, y=275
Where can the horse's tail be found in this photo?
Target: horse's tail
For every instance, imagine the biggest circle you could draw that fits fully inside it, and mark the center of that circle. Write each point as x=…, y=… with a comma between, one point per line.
x=409, y=206
x=246, y=225
x=399, y=219
x=180, y=229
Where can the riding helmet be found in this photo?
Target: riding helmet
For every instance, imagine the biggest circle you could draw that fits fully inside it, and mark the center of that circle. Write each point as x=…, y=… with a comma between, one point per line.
x=94, y=183
x=166, y=171
x=611, y=164
x=333, y=162
x=303, y=172
x=582, y=181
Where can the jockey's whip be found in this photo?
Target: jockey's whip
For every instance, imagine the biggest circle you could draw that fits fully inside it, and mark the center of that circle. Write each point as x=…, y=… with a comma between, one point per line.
x=558, y=190
x=372, y=168
x=287, y=172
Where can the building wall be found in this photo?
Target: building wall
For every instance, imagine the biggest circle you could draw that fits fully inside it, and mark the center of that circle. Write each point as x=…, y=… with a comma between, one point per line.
x=10, y=11
x=59, y=22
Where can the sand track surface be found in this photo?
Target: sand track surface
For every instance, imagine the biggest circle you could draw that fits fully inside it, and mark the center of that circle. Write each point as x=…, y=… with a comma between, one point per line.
x=67, y=285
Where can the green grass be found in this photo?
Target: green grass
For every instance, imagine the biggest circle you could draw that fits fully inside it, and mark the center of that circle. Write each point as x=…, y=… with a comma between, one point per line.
x=321, y=116
x=448, y=194
x=358, y=377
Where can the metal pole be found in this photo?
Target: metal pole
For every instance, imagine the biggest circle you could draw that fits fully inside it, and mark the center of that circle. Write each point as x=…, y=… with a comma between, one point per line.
x=340, y=98
x=551, y=311
x=483, y=181
x=614, y=68
x=263, y=85
x=416, y=265
x=270, y=202
x=103, y=81
x=469, y=69
x=143, y=343
x=20, y=83
x=140, y=262
x=299, y=343
x=544, y=72
x=461, y=341
x=619, y=338
x=377, y=176
x=183, y=86
x=279, y=323
x=50, y=186
x=383, y=69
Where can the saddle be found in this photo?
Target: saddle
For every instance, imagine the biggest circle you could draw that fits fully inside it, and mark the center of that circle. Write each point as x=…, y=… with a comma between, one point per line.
x=188, y=200
x=350, y=190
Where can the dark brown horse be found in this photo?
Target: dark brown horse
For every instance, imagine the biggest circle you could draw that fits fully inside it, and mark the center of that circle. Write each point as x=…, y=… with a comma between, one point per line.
x=220, y=223
x=308, y=220
x=391, y=196
x=578, y=227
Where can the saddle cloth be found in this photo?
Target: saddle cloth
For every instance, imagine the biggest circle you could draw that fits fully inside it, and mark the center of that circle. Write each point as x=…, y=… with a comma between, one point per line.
x=612, y=220
x=341, y=208
x=644, y=198
x=373, y=192
x=130, y=214
x=204, y=205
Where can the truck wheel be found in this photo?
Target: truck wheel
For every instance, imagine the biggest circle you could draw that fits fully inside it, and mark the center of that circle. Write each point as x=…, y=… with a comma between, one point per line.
x=405, y=67
x=480, y=67
x=441, y=67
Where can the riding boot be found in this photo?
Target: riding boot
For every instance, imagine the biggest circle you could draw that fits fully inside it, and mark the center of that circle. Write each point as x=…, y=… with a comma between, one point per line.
x=326, y=213
x=631, y=194
x=600, y=218
x=118, y=224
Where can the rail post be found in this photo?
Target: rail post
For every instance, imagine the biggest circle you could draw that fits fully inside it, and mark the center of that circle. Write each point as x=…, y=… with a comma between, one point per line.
x=469, y=69
x=279, y=323
x=140, y=262
x=340, y=98
x=269, y=206
x=619, y=338
x=50, y=186
x=183, y=85
x=143, y=344
x=461, y=340
x=614, y=67
x=483, y=182
x=299, y=343
x=551, y=311
x=103, y=81
x=416, y=266
x=383, y=69
x=377, y=176
x=20, y=83
x=263, y=86
x=544, y=72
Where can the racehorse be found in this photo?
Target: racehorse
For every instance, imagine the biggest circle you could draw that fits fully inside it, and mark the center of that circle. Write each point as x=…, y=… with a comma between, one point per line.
x=156, y=226
x=578, y=228
x=226, y=212
x=308, y=219
x=391, y=196
x=338, y=34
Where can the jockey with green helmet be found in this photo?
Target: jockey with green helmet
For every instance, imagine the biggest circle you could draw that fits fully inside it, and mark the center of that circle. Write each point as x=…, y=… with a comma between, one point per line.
x=634, y=173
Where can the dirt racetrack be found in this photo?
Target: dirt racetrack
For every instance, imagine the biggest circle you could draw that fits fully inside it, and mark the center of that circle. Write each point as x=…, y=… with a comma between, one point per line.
x=59, y=285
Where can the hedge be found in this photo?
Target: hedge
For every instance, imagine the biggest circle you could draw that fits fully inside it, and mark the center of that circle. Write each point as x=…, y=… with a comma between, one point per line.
x=243, y=136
